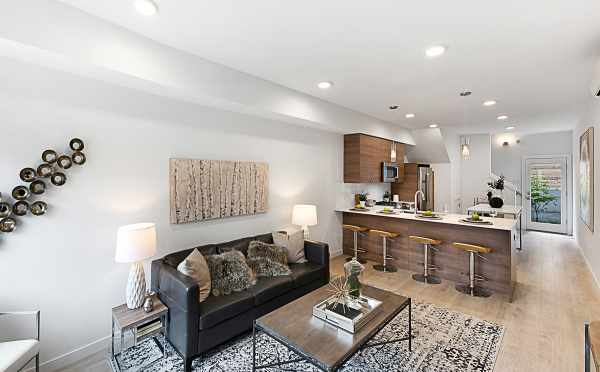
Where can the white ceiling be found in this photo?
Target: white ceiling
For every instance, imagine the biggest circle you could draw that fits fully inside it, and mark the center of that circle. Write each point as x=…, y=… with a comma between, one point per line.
x=534, y=57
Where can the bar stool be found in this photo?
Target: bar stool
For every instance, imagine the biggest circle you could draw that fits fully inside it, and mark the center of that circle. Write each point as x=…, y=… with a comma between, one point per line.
x=427, y=244
x=355, y=231
x=470, y=288
x=385, y=235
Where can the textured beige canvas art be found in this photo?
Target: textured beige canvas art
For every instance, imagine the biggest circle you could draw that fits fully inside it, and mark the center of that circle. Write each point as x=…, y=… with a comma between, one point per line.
x=211, y=189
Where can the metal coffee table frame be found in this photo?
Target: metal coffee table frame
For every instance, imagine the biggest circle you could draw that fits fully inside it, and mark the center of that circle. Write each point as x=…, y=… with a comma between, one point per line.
x=304, y=357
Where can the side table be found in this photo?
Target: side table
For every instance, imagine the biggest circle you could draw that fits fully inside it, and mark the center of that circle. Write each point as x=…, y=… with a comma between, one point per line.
x=143, y=325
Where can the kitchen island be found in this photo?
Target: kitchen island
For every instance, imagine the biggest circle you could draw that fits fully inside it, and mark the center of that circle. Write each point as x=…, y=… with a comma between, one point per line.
x=498, y=267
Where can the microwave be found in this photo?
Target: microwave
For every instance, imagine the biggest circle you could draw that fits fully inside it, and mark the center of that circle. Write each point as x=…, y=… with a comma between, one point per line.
x=389, y=172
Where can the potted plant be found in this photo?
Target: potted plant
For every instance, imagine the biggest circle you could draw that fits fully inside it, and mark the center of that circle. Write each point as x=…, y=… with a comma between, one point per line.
x=496, y=201
x=362, y=199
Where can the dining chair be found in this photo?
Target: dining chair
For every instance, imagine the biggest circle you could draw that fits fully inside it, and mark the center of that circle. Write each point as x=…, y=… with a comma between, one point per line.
x=16, y=355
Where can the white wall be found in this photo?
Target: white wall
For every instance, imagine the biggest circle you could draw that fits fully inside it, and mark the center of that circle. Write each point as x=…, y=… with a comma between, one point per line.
x=589, y=241
x=475, y=172
x=62, y=263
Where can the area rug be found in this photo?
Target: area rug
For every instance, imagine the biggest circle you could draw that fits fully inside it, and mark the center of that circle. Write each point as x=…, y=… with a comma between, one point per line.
x=444, y=340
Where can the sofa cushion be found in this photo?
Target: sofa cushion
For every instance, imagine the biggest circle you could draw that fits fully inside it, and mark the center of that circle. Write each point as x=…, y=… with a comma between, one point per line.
x=175, y=259
x=242, y=244
x=305, y=273
x=268, y=288
x=217, y=309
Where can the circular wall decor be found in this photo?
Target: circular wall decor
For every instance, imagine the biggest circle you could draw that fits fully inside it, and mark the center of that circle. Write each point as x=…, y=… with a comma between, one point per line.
x=76, y=144
x=5, y=210
x=8, y=224
x=20, y=193
x=38, y=208
x=64, y=162
x=45, y=170
x=49, y=156
x=58, y=179
x=20, y=208
x=78, y=158
x=37, y=187
x=27, y=174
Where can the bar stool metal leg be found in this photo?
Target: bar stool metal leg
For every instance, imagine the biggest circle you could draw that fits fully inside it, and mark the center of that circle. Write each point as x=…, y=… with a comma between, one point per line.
x=356, y=250
x=471, y=288
x=426, y=277
x=385, y=267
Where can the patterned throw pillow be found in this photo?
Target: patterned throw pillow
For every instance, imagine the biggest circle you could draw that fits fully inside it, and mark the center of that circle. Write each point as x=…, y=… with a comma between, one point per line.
x=229, y=273
x=195, y=266
x=293, y=241
x=268, y=260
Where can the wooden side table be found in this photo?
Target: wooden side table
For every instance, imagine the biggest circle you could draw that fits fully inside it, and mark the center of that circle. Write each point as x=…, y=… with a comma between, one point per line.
x=137, y=321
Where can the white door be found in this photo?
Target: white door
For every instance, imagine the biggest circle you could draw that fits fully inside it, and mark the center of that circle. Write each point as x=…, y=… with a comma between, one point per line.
x=546, y=202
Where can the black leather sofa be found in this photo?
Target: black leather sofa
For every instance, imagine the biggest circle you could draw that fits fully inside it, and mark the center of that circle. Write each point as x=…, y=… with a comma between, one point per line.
x=195, y=328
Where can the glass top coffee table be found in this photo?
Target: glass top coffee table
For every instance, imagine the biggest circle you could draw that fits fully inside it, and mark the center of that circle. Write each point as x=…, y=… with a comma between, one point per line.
x=317, y=342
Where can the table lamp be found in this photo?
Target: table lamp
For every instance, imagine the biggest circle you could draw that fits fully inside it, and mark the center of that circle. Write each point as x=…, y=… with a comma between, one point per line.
x=304, y=215
x=136, y=243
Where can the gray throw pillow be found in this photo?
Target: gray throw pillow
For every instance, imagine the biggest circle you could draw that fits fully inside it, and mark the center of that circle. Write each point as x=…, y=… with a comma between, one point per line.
x=229, y=273
x=268, y=259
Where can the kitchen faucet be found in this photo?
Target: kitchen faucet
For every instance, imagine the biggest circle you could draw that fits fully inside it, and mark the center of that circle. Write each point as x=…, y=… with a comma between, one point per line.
x=422, y=198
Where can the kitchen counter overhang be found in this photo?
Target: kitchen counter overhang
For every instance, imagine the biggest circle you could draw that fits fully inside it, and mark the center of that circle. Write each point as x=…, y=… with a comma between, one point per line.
x=498, y=267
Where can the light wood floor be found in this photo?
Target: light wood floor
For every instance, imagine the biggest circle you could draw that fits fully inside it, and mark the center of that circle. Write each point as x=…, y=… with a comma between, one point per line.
x=554, y=296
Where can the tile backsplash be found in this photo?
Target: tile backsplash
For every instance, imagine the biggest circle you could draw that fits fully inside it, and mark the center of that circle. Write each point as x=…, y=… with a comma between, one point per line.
x=346, y=192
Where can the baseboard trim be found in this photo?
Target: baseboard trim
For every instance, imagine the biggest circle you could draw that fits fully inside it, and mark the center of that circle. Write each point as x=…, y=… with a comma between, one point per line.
x=74, y=356
x=589, y=266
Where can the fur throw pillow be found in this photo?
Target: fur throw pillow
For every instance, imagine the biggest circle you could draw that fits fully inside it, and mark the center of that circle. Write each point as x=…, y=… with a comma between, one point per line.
x=258, y=249
x=263, y=267
x=267, y=259
x=229, y=273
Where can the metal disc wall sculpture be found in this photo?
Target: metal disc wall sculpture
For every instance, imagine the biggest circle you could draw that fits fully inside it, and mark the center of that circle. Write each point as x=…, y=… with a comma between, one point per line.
x=50, y=171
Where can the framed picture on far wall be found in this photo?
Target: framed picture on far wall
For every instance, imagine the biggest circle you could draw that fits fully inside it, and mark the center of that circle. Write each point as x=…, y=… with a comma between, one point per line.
x=586, y=178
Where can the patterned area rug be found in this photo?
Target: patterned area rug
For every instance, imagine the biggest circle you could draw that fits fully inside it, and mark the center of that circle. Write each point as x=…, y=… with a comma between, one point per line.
x=444, y=341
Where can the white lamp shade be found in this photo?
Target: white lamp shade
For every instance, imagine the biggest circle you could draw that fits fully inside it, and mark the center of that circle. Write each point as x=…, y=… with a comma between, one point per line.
x=135, y=242
x=304, y=215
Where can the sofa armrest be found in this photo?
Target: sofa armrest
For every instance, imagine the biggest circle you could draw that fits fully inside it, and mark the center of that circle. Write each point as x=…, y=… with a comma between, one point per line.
x=180, y=294
x=317, y=252
x=181, y=289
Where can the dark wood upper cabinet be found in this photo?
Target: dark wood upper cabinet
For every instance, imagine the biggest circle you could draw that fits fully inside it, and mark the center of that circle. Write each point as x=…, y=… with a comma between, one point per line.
x=363, y=155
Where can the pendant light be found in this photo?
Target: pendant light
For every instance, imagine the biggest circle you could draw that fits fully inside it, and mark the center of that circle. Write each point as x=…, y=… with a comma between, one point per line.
x=465, y=150
x=393, y=153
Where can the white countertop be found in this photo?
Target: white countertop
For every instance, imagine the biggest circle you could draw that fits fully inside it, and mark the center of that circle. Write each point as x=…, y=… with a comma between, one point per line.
x=486, y=208
x=506, y=224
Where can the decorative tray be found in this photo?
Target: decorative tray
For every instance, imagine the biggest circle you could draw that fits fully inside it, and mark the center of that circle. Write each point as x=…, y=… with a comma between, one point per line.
x=351, y=317
x=387, y=212
x=360, y=209
x=432, y=217
x=479, y=222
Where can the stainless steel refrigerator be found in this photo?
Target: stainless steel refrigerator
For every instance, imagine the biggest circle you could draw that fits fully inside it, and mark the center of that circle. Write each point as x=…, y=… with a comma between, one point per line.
x=425, y=183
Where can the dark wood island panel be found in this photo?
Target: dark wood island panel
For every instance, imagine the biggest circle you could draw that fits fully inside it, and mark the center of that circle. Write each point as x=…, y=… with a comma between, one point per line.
x=498, y=267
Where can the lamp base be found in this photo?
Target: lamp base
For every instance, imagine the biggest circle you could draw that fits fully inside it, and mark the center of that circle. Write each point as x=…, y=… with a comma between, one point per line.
x=136, y=286
x=305, y=229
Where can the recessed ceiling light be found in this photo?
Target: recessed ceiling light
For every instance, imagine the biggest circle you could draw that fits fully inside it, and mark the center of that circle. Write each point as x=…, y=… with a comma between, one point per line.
x=146, y=7
x=410, y=116
x=489, y=102
x=433, y=125
x=435, y=51
x=325, y=84
x=502, y=117
x=510, y=128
